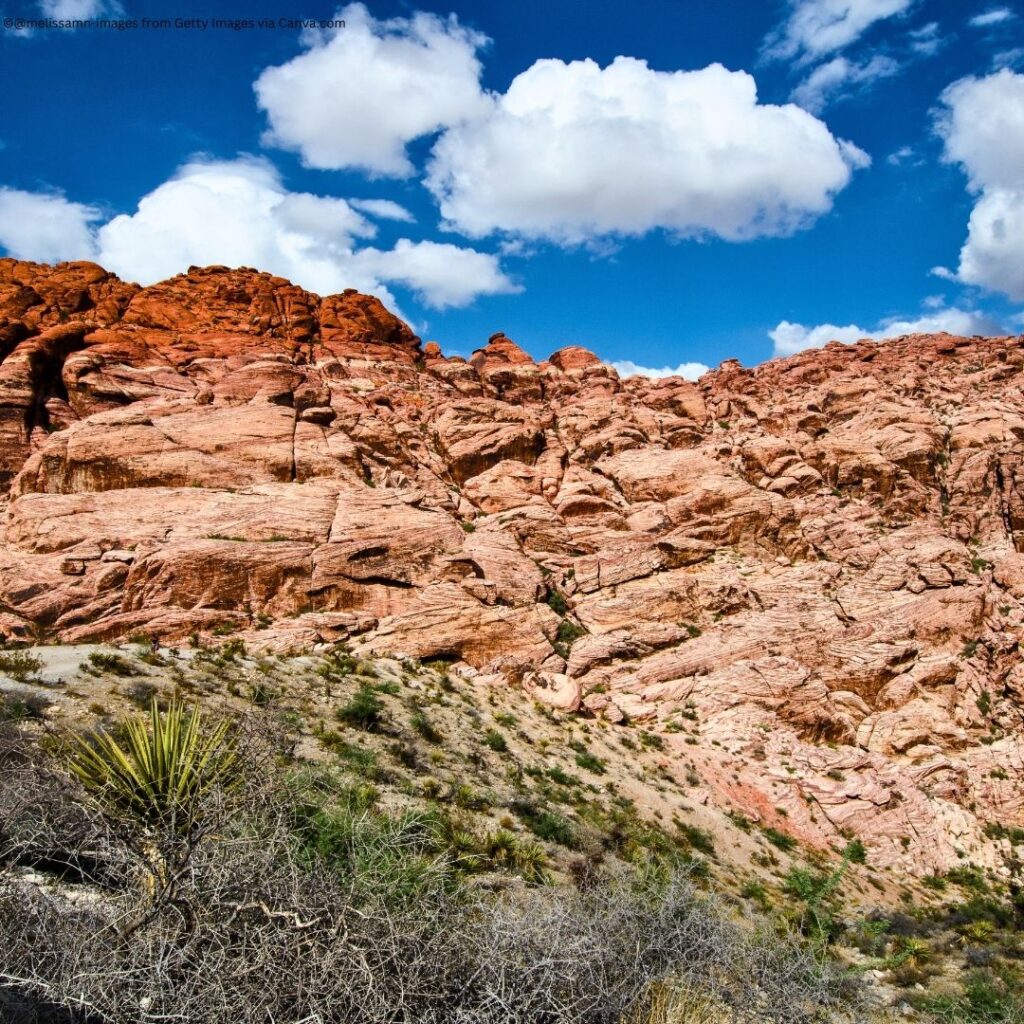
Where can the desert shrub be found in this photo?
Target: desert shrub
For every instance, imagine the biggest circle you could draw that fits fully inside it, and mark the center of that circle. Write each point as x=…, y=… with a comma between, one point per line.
x=548, y=825
x=567, y=634
x=496, y=741
x=698, y=838
x=426, y=728
x=558, y=774
x=855, y=852
x=590, y=762
x=817, y=895
x=780, y=839
x=983, y=998
x=19, y=708
x=19, y=665
x=141, y=694
x=104, y=661
x=311, y=902
x=337, y=664
x=364, y=711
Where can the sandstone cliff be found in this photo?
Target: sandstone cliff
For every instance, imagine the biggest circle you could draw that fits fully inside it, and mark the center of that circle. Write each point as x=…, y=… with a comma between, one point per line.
x=804, y=577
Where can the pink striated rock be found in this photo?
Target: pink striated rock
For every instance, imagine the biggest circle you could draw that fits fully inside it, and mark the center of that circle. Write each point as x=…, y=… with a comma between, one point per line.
x=811, y=568
x=573, y=357
x=554, y=689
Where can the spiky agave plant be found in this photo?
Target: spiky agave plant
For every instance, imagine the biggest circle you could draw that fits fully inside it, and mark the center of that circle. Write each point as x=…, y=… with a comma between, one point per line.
x=159, y=767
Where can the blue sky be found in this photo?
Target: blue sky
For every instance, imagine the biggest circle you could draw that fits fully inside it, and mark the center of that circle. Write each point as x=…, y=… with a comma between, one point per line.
x=650, y=209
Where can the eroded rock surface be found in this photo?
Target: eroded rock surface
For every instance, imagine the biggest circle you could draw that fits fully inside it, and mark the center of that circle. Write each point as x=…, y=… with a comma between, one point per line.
x=807, y=577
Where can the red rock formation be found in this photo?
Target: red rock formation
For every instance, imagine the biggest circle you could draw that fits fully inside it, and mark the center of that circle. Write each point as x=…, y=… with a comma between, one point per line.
x=808, y=575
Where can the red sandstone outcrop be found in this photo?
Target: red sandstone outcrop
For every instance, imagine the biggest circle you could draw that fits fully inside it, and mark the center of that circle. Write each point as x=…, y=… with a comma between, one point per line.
x=808, y=576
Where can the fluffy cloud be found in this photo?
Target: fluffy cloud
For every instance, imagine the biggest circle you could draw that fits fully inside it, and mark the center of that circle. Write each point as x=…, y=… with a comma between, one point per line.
x=440, y=273
x=573, y=152
x=790, y=338
x=982, y=126
x=239, y=213
x=993, y=255
x=627, y=368
x=817, y=28
x=839, y=77
x=357, y=96
x=45, y=227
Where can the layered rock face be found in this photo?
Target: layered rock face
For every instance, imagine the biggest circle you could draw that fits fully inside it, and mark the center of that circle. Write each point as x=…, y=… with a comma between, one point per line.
x=806, y=577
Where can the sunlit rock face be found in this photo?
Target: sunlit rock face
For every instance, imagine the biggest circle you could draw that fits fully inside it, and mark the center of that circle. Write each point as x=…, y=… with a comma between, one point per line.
x=806, y=577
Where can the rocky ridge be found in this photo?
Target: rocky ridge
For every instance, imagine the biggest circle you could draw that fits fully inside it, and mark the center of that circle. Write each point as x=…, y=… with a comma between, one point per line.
x=805, y=576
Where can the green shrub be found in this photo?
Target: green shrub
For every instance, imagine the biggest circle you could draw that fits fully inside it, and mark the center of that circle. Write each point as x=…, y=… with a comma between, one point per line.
x=698, y=838
x=495, y=740
x=141, y=694
x=364, y=711
x=19, y=665
x=469, y=799
x=590, y=762
x=569, y=632
x=232, y=649
x=984, y=999
x=652, y=740
x=102, y=661
x=337, y=664
x=855, y=852
x=780, y=839
x=557, y=774
x=20, y=709
x=548, y=825
x=426, y=728
x=816, y=892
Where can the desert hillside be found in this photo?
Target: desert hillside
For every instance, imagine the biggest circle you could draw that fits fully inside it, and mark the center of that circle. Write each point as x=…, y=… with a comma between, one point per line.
x=804, y=577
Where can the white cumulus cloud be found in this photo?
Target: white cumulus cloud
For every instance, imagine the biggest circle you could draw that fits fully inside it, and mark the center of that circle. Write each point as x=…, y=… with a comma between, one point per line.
x=239, y=213
x=627, y=368
x=575, y=152
x=356, y=96
x=440, y=273
x=790, y=338
x=816, y=28
x=46, y=227
x=993, y=255
x=982, y=126
x=840, y=77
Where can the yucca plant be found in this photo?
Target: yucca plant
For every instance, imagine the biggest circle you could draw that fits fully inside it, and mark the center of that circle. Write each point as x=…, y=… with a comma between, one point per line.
x=531, y=862
x=159, y=767
x=154, y=772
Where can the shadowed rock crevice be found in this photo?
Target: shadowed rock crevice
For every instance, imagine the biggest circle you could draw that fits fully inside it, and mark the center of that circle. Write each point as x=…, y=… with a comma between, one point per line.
x=46, y=370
